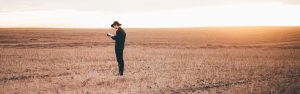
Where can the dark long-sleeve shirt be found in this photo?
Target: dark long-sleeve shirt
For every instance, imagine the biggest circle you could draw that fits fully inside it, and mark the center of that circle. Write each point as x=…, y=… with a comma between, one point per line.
x=119, y=38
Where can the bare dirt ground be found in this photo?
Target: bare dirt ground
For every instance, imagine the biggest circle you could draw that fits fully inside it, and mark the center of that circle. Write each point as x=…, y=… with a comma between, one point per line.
x=230, y=60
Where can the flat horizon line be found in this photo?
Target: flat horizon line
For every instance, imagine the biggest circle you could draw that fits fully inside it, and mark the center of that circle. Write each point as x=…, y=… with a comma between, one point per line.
x=131, y=27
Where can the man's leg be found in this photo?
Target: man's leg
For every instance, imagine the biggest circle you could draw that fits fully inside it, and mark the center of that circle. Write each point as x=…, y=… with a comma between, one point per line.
x=119, y=54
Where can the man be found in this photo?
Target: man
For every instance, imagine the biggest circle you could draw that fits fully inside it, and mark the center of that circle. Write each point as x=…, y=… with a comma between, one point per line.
x=119, y=44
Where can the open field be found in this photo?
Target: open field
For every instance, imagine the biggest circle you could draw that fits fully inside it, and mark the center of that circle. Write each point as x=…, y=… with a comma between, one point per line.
x=230, y=60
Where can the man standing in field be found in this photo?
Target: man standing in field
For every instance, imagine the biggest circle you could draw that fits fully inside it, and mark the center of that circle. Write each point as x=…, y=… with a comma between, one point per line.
x=119, y=44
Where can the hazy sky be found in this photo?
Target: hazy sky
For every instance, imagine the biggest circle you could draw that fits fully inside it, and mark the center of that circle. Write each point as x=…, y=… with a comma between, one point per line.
x=149, y=13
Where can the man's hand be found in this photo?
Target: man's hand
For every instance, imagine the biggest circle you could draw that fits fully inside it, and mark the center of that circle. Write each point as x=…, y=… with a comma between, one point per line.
x=110, y=34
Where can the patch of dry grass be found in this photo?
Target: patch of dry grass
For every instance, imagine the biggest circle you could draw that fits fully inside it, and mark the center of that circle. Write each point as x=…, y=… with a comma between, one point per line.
x=183, y=60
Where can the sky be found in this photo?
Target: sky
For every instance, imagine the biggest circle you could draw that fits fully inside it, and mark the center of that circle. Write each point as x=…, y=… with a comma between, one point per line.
x=148, y=13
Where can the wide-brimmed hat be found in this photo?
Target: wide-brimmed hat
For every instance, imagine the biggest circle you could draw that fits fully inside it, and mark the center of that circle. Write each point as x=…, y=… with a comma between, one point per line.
x=115, y=23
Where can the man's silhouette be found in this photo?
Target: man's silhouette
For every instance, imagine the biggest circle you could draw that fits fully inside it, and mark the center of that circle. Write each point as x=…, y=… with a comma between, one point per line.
x=119, y=45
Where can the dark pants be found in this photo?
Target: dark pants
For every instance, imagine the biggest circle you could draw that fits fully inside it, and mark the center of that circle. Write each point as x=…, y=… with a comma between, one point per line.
x=119, y=55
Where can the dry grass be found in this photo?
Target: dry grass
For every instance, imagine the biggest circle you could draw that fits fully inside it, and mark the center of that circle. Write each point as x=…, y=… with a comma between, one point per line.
x=180, y=60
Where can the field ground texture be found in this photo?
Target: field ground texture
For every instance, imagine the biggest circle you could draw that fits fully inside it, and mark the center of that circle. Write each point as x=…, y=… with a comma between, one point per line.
x=230, y=60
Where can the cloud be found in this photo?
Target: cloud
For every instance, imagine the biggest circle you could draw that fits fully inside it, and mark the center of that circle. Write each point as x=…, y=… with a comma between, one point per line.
x=146, y=14
x=292, y=2
x=263, y=14
x=119, y=6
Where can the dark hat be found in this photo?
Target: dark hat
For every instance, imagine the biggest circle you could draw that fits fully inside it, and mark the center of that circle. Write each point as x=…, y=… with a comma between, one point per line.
x=115, y=23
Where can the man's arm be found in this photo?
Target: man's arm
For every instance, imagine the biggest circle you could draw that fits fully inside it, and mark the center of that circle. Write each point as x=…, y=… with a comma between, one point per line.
x=113, y=37
x=116, y=37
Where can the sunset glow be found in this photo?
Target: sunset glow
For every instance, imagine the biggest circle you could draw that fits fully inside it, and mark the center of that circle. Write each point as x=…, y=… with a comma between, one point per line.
x=233, y=14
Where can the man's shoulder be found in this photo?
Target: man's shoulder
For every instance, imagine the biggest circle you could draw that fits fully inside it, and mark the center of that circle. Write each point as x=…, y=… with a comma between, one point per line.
x=121, y=29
